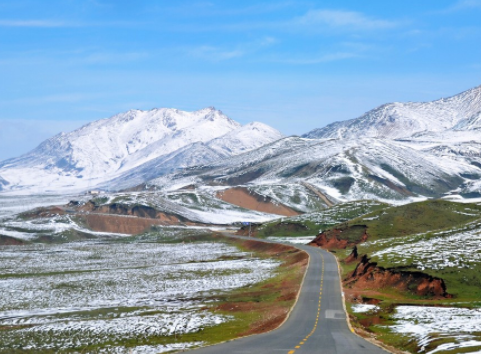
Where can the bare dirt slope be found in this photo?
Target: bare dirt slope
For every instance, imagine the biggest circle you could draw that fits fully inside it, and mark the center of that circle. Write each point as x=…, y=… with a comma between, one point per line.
x=244, y=198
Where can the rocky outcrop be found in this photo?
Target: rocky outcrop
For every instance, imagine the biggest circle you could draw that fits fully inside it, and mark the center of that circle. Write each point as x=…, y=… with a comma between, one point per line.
x=352, y=257
x=368, y=275
x=341, y=237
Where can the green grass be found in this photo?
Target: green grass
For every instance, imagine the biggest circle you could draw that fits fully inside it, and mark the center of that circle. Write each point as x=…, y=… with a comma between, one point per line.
x=312, y=223
x=415, y=218
x=409, y=225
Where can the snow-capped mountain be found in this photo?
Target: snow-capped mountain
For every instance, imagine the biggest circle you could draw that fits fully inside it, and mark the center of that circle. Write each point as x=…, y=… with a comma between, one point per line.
x=397, y=152
x=342, y=169
x=400, y=120
x=111, y=147
x=243, y=139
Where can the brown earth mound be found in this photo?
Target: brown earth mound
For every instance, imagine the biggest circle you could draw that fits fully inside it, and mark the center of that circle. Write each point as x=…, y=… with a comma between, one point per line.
x=341, y=237
x=244, y=198
x=10, y=241
x=120, y=224
x=115, y=217
x=44, y=212
x=368, y=275
x=352, y=257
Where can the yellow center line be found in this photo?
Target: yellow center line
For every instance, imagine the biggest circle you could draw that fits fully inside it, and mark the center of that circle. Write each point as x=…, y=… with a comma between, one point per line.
x=318, y=311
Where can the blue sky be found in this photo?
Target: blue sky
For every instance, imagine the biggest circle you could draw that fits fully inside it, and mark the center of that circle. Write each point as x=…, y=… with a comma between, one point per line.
x=295, y=65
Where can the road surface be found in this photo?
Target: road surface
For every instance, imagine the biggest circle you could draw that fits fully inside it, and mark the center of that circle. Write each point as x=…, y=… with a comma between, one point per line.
x=317, y=323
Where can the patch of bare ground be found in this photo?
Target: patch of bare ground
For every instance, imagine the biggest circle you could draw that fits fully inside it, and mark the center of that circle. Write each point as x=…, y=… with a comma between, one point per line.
x=119, y=224
x=341, y=237
x=10, y=241
x=368, y=275
x=244, y=198
x=115, y=217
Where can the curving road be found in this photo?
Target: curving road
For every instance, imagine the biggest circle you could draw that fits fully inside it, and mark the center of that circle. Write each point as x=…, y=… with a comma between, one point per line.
x=317, y=323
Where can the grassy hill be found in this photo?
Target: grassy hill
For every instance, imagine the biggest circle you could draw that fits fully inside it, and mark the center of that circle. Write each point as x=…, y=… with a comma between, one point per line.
x=312, y=223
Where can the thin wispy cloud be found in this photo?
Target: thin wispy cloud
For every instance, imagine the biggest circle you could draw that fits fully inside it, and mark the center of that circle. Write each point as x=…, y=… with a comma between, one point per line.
x=467, y=4
x=58, y=98
x=69, y=58
x=461, y=5
x=215, y=53
x=312, y=21
x=63, y=24
x=338, y=19
x=209, y=9
x=108, y=58
x=33, y=23
x=319, y=59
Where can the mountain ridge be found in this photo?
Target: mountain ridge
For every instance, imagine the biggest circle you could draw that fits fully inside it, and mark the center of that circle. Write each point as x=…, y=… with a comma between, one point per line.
x=106, y=148
x=401, y=120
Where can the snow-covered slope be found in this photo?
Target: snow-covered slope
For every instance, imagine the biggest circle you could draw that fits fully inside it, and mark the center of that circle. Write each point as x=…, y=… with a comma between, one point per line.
x=399, y=120
x=246, y=138
x=343, y=169
x=111, y=147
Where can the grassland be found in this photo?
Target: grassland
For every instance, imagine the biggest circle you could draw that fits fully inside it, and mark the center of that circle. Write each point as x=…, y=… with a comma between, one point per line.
x=312, y=223
x=161, y=291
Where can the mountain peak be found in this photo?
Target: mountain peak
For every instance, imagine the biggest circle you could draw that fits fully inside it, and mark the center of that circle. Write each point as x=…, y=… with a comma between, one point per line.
x=401, y=120
x=111, y=147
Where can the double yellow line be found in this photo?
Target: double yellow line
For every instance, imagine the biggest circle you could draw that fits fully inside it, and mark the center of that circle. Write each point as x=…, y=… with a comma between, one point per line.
x=302, y=342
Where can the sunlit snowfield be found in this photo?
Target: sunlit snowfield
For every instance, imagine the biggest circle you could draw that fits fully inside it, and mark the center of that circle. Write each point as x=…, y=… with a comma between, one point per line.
x=72, y=295
x=437, y=250
x=457, y=327
x=454, y=328
x=10, y=205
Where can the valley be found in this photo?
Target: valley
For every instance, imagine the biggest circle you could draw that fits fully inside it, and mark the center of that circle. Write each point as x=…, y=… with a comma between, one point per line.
x=119, y=236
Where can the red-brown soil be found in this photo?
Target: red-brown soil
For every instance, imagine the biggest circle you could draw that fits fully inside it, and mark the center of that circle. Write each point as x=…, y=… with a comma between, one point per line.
x=45, y=212
x=116, y=217
x=333, y=239
x=244, y=198
x=120, y=224
x=10, y=241
x=353, y=257
x=368, y=275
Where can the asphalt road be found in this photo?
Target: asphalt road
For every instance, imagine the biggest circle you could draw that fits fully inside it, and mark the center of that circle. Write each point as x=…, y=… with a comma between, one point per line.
x=317, y=323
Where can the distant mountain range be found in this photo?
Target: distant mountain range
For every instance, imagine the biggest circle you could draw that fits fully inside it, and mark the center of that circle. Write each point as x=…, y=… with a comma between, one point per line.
x=396, y=152
x=164, y=139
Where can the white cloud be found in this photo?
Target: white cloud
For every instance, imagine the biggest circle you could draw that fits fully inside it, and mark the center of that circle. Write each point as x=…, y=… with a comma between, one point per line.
x=59, y=24
x=461, y=5
x=57, y=98
x=213, y=53
x=467, y=4
x=342, y=20
x=106, y=58
x=325, y=58
x=32, y=23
